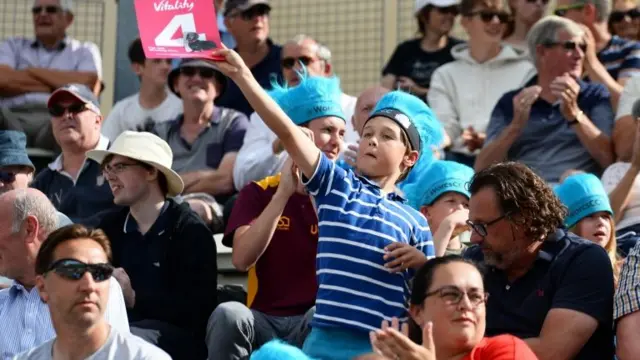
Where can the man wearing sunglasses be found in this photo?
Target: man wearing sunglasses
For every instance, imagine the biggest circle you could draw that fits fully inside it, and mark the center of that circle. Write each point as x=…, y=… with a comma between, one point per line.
x=27, y=217
x=248, y=22
x=73, y=275
x=609, y=59
x=549, y=287
x=30, y=69
x=73, y=183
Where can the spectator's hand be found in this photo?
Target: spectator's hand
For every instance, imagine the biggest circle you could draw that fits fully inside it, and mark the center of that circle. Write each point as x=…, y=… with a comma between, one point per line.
x=591, y=55
x=635, y=157
x=473, y=140
x=522, y=104
x=125, y=283
x=404, y=257
x=232, y=64
x=350, y=155
x=566, y=88
x=289, y=179
x=457, y=221
x=405, y=83
x=393, y=342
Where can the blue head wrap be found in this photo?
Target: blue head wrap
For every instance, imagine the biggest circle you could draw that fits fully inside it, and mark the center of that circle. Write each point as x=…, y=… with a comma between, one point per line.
x=583, y=195
x=314, y=97
x=278, y=350
x=440, y=177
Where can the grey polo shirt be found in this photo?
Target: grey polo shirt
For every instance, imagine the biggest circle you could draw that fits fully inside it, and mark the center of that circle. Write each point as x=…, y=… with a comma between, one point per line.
x=69, y=55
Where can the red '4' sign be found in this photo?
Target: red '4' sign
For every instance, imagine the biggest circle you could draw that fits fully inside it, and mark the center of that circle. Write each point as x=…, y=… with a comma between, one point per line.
x=177, y=28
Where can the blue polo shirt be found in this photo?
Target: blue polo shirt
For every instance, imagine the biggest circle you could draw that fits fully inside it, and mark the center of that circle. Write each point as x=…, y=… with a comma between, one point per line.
x=621, y=57
x=570, y=273
x=264, y=73
x=548, y=144
x=356, y=221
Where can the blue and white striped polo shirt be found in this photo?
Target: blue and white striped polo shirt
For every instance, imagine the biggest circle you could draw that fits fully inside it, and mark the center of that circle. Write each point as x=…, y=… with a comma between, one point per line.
x=621, y=57
x=356, y=221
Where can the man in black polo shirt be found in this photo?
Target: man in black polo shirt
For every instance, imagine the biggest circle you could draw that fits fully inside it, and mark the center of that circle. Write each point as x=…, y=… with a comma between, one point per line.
x=248, y=22
x=549, y=287
x=164, y=255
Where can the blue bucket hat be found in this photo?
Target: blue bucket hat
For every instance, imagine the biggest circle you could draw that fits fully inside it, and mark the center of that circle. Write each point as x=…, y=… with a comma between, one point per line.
x=13, y=149
x=583, y=195
x=312, y=98
x=440, y=177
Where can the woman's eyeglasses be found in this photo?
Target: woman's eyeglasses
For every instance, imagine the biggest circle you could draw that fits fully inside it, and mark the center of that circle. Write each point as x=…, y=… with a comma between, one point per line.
x=74, y=270
x=452, y=295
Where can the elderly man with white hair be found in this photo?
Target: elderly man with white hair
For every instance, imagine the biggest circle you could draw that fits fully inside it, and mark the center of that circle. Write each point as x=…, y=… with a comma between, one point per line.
x=31, y=69
x=557, y=121
x=262, y=155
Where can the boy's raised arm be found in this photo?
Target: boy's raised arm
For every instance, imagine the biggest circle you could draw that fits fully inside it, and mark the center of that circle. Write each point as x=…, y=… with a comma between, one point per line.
x=300, y=147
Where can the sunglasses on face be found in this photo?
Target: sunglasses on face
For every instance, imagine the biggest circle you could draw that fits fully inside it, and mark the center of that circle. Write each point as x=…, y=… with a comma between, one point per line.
x=74, y=270
x=562, y=11
x=7, y=177
x=36, y=10
x=290, y=62
x=544, y=2
x=618, y=16
x=489, y=15
x=482, y=228
x=568, y=45
x=452, y=295
x=59, y=110
x=205, y=73
x=254, y=12
x=448, y=10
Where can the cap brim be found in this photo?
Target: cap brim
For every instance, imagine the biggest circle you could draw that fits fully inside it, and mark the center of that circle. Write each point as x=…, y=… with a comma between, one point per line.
x=249, y=6
x=64, y=92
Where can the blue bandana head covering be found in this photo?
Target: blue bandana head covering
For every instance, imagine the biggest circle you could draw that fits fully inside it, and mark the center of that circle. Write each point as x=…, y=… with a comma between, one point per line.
x=313, y=98
x=583, y=195
x=440, y=177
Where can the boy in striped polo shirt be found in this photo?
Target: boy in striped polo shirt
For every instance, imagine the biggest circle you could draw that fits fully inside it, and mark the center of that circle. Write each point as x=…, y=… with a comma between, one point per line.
x=370, y=242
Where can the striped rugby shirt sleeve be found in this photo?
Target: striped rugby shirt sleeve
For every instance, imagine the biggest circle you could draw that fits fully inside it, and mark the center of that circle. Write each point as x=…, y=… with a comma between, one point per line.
x=320, y=184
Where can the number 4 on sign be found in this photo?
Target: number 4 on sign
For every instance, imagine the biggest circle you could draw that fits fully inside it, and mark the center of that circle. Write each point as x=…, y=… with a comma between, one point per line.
x=185, y=23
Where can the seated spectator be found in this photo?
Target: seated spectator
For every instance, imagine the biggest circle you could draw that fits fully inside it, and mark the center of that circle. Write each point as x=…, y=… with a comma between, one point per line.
x=73, y=183
x=153, y=104
x=27, y=217
x=590, y=215
x=62, y=265
x=413, y=62
x=31, y=69
x=621, y=182
x=248, y=22
x=448, y=301
x=624, y=130
x=626, y=311
x=441, y=195
x=556, y=122
x=225, y=36
x=164, y=255
x=270, y=218
x=624, y=20
x=464, y=92
x=609, y=60
x=548, y=287
x=262, y=155
x=524, y=13
x=205, y=139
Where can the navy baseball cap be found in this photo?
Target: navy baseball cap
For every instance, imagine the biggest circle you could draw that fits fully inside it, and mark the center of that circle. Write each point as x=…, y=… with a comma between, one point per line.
x=78, y=91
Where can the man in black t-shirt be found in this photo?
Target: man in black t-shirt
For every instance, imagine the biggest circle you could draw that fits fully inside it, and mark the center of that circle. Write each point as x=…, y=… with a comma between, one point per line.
x=413, y=61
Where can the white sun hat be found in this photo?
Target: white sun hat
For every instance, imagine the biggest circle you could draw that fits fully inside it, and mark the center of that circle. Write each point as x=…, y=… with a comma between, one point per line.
x=147, y=148
x=420, y=4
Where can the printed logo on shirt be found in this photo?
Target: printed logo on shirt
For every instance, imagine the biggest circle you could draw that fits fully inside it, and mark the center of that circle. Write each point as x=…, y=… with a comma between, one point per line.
x=284, y=223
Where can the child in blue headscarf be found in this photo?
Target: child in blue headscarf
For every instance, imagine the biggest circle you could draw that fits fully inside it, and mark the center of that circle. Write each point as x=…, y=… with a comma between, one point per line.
x=441, y=194
x=589, y=213
x=370, y=241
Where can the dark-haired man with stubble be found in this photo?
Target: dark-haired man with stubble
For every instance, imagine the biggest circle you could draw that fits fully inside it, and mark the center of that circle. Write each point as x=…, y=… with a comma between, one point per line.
x=73, y=268
x=548, y=286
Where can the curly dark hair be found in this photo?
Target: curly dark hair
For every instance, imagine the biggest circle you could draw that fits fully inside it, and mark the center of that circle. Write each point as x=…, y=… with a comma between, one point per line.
x=524, y=194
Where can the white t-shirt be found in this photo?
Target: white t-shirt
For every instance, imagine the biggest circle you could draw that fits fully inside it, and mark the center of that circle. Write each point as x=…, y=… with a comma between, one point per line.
x=117, y=347
x=610, y=179
x=127, y=114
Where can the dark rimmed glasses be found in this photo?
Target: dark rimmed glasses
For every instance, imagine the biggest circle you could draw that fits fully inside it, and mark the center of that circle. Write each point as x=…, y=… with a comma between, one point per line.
x=482, y=228
x=452, y=295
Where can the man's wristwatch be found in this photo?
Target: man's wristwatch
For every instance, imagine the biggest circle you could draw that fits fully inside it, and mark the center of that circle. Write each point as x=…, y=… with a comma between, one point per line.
x=575, y=120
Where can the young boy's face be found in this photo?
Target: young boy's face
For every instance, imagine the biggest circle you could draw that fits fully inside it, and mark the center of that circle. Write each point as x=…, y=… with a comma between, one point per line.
x=444, y=206
x=381, y=151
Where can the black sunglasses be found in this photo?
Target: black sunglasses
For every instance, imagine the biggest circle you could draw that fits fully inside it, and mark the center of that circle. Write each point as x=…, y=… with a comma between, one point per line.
x=290, y=62
x=617, y=16
x=482, y=228
x=544, y=2
x=72, y=269
x=7, y=177
x=568, y=45
x=51, y=9
x=59, y=110
x=489, y=15
x=205, y=73
x=253, y=12
x=448, y=10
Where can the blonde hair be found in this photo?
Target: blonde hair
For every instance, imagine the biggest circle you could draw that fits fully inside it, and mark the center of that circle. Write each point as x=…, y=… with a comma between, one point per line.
x=611, y=248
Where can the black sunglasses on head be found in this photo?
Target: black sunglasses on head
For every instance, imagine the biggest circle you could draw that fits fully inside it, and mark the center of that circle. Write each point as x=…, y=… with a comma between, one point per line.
x=59, y=110
x=205, y=73
x=290, y=62
x=72, y=269
x=50, y=9
x=568, y=45
x=618, y=16
x=489, y=15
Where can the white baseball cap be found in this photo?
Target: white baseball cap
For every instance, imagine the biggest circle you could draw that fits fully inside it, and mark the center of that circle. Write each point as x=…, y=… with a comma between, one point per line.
x=420, y=4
